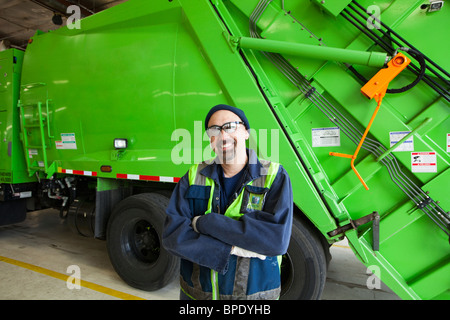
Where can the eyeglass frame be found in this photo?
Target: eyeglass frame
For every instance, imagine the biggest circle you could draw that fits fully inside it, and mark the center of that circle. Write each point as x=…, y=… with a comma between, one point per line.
x=221, y=128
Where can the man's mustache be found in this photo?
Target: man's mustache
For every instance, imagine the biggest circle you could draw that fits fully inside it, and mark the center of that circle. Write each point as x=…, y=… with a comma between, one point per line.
x=220, y=143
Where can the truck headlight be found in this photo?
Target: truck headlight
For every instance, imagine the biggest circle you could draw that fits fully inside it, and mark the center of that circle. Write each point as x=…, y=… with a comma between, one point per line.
x=120, y=143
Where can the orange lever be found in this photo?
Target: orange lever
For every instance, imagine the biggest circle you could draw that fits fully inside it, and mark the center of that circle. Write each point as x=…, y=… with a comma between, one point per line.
x=376, y=88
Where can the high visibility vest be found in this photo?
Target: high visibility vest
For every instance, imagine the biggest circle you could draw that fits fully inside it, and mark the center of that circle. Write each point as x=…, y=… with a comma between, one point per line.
x=249, y=199
x=253, y=200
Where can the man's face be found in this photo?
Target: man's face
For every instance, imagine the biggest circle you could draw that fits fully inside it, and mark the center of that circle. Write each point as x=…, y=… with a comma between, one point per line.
x=228, y=146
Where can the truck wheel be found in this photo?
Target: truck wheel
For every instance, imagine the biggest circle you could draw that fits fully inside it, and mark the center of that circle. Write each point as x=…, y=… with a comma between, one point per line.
x=134, y=242
x=304, y=266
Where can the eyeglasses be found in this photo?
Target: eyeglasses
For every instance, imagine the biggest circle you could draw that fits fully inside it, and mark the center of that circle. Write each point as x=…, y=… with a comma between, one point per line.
x=228, y=127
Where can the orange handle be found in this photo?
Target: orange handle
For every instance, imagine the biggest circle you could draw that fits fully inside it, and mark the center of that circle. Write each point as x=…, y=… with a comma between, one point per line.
x=376, y=88
x=353, y=156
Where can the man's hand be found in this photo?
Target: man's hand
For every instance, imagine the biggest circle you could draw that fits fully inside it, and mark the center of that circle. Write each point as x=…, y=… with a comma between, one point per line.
x=246, y=253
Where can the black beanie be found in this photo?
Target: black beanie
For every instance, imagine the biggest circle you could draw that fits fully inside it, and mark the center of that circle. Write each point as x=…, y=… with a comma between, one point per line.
x=235, y=110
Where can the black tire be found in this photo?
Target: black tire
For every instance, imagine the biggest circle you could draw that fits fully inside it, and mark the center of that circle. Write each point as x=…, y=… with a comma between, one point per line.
x=304, y=266
x=134, y=242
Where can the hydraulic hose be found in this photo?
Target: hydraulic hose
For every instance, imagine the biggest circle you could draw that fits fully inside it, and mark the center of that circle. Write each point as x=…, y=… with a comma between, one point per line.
x=416, y=55
x=423, y=67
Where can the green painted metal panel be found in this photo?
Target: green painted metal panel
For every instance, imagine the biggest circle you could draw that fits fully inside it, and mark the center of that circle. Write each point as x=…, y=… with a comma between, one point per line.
x=149, y=72
x=12, y=160
x=333, y=7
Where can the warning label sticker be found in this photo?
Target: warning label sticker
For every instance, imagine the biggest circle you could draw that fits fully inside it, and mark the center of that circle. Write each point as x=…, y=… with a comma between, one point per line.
x=67, y=141
x=396, y=136
x=326, y=137
x=32, y=152
x=423, y=162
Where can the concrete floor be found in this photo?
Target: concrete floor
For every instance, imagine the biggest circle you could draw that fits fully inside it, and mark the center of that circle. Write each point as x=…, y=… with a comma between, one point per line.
x=36, y=255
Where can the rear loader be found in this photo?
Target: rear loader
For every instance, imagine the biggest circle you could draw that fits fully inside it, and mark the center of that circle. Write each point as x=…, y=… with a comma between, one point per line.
x=352, y=97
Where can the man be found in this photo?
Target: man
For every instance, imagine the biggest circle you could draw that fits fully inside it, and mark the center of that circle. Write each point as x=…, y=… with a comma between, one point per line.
x=229, y=220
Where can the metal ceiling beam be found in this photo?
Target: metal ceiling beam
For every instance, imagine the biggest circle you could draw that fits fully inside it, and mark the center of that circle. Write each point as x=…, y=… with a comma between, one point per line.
x=60, y=6
x=52, y=5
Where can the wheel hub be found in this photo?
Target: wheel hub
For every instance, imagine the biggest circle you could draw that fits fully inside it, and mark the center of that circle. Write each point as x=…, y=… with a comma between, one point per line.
x=146, y=241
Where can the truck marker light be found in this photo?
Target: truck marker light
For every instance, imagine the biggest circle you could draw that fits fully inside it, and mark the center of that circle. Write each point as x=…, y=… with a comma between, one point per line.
x=106, y=169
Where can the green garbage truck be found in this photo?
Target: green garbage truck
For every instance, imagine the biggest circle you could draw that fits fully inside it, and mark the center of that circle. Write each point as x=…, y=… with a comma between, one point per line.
x=101, y=119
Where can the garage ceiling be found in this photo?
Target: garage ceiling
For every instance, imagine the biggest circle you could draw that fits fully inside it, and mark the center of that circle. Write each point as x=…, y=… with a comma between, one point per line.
x=19, y=19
